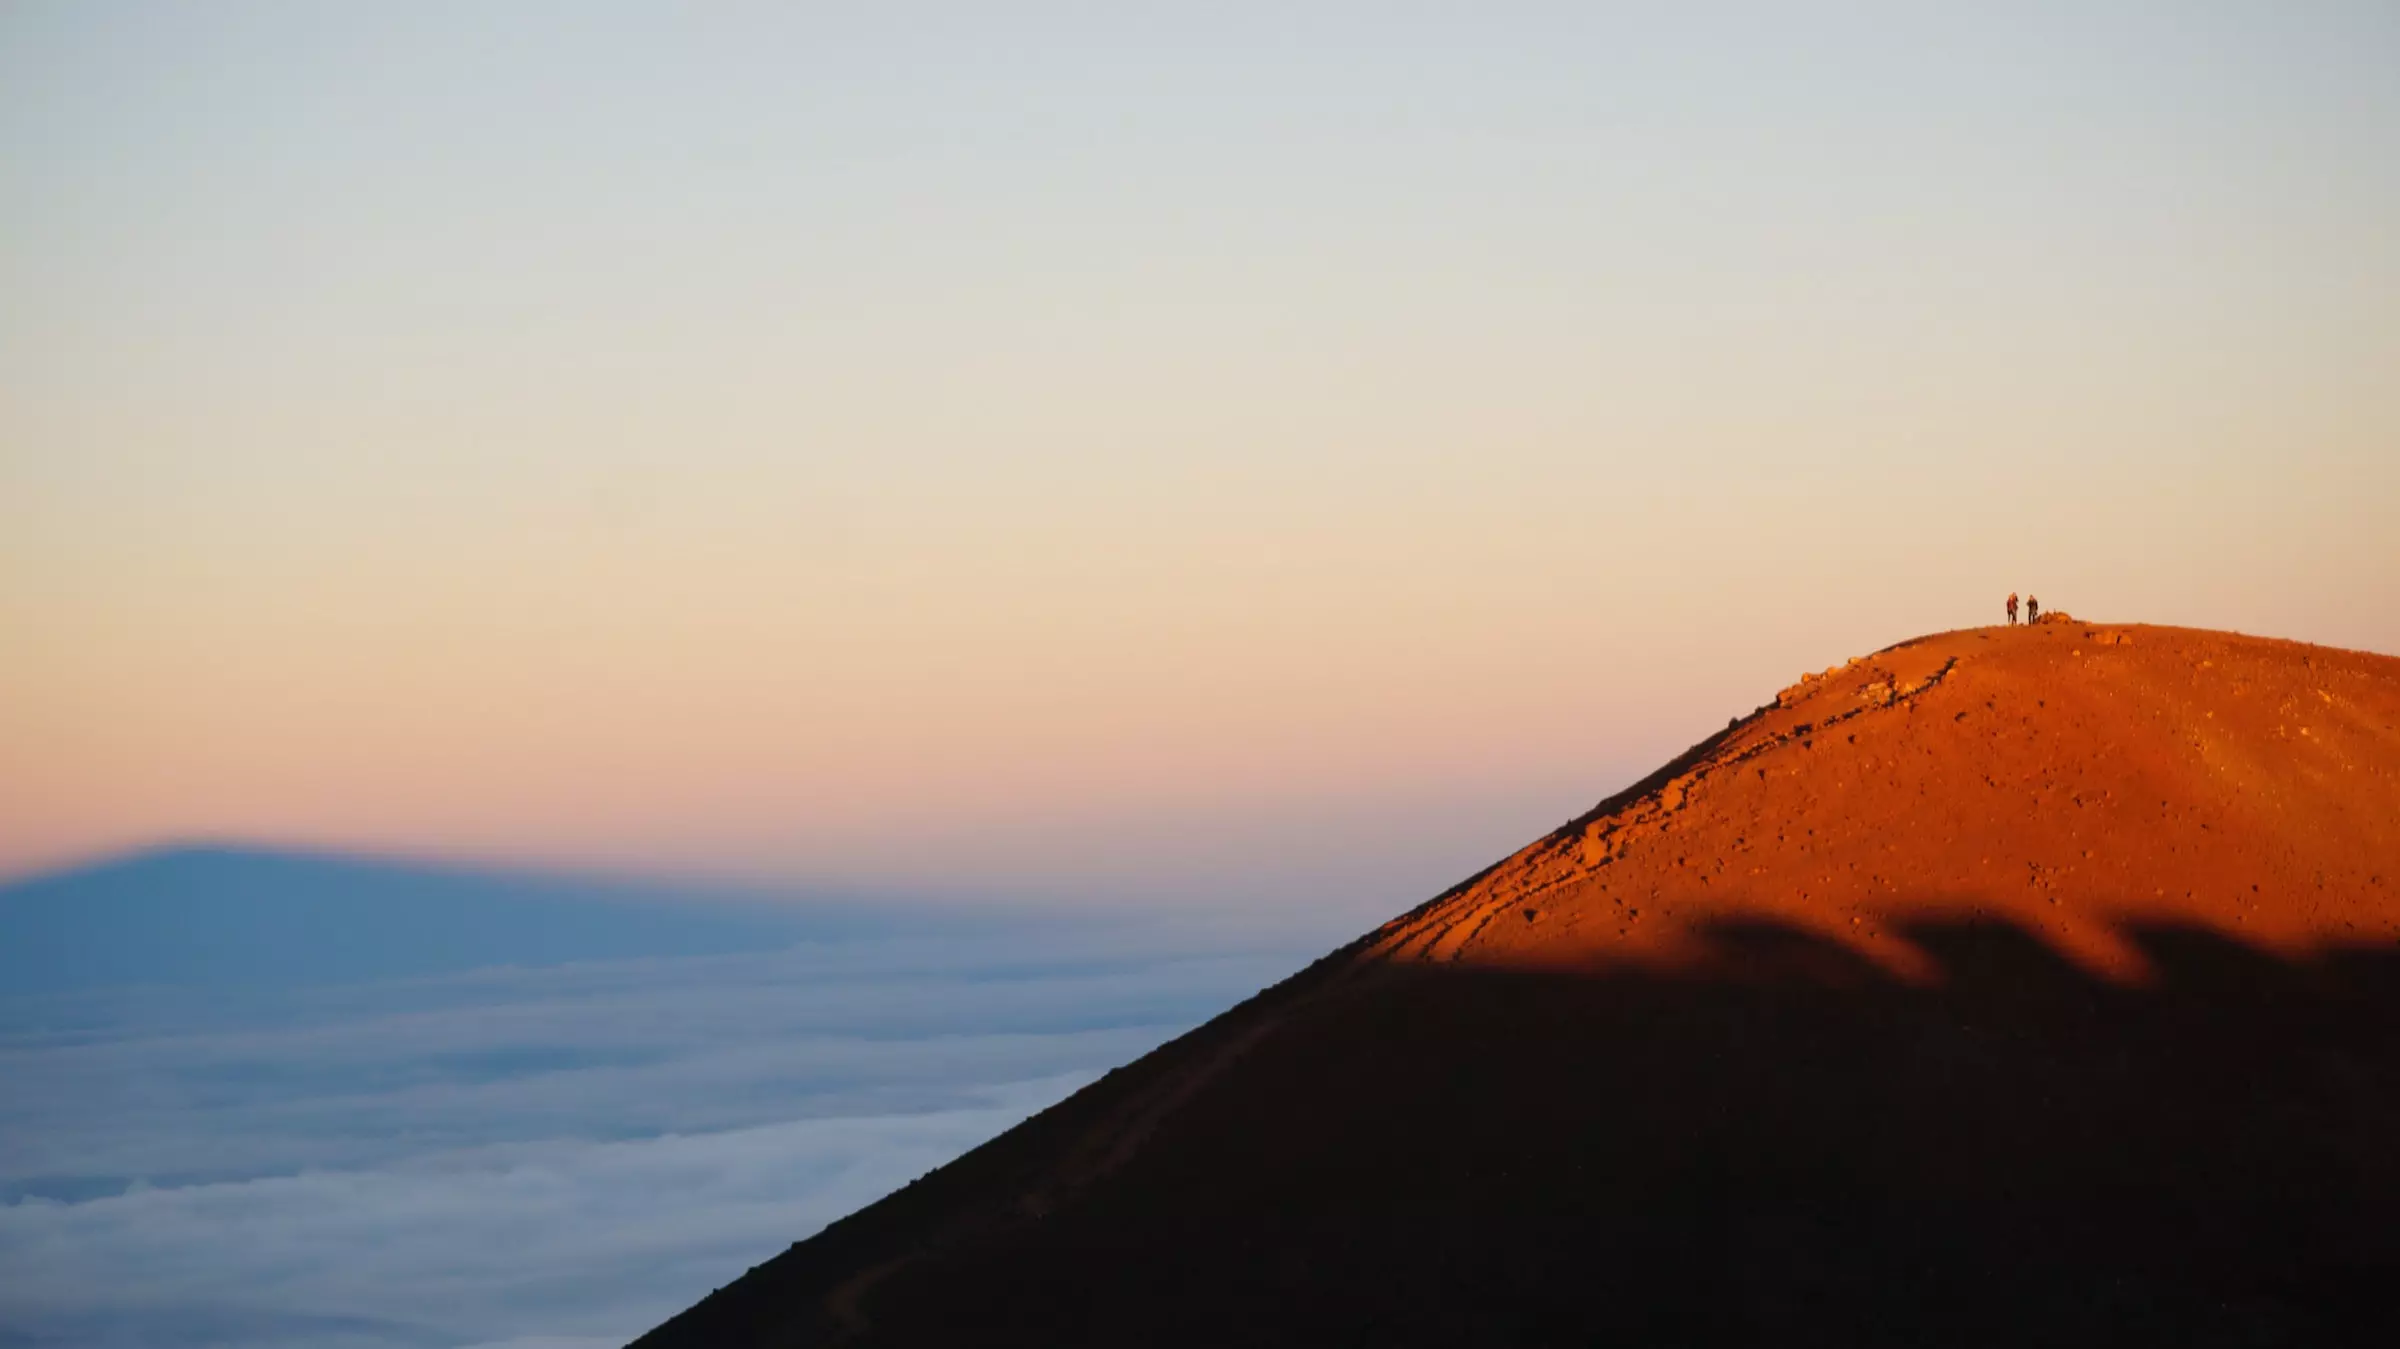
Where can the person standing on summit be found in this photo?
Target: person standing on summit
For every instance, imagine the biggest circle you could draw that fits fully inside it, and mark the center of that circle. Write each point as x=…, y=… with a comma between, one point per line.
x=2012, y=608
x=2033, y=610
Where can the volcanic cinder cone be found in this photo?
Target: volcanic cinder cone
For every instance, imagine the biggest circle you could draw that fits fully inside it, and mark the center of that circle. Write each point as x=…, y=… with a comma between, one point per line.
x=2017, y=985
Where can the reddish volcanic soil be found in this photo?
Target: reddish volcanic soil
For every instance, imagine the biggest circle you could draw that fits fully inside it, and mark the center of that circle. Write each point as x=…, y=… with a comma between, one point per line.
x=2015, y=985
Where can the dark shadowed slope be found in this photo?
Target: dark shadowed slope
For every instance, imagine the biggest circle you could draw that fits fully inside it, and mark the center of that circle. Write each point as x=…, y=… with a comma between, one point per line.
x=2007, y=986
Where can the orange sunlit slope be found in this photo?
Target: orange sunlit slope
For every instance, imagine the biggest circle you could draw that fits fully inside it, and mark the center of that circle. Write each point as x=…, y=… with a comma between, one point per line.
x=2070, y=778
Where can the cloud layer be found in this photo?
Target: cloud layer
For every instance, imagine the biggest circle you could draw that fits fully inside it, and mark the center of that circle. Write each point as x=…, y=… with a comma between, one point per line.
x=552, y=1158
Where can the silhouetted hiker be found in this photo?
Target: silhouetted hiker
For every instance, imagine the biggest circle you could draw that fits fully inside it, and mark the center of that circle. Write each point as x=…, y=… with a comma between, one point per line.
x=2012, y=607
x=2033, y=610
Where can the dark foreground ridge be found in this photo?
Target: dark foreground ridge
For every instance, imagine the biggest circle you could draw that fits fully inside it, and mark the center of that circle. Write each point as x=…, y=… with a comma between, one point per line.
x=1709, y=1065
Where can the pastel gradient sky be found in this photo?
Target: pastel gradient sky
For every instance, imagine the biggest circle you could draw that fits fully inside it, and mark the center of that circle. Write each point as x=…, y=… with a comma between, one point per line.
x=1214, y=452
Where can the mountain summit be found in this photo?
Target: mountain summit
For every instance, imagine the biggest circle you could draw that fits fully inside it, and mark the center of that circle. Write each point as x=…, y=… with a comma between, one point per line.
x=2025, y=984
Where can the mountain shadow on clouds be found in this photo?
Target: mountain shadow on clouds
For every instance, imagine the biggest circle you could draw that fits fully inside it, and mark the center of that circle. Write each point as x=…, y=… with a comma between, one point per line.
x=253, y=918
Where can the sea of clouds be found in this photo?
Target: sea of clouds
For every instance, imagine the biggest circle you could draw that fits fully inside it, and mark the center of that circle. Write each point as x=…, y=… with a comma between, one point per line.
x=548, y=1158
